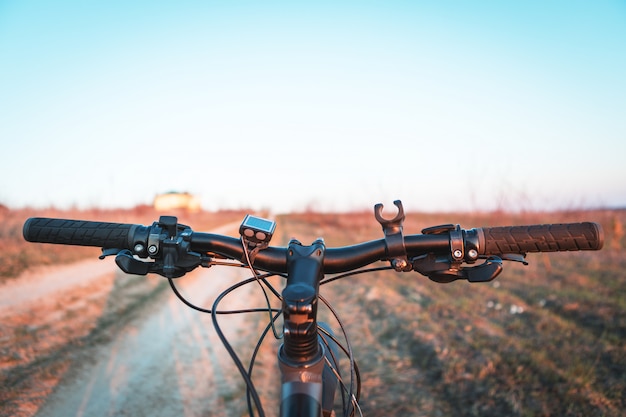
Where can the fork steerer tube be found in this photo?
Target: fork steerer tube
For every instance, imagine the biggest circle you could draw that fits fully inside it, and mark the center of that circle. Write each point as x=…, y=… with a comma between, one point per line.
x=302, y=390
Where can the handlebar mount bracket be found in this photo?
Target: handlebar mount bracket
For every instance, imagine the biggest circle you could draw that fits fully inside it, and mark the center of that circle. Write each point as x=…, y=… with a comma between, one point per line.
x=394, y=239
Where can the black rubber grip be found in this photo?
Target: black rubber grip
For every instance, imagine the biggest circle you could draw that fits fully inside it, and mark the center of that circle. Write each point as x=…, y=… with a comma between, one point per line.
x=542, y=238
x=78, y=232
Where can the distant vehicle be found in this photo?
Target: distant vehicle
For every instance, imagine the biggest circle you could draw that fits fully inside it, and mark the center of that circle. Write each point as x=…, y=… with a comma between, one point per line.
x=176, y=200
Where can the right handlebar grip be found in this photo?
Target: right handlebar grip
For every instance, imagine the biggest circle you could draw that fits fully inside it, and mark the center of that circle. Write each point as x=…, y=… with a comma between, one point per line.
x=78, y=232
x=543, y=238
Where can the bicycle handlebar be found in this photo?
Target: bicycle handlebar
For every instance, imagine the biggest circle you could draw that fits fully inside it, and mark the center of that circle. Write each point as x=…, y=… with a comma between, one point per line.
x=488, y=241
x=442, y=253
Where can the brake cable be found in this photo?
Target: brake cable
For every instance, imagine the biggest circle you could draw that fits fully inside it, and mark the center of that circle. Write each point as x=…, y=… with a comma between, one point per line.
x=209, y=311
x=246, y=252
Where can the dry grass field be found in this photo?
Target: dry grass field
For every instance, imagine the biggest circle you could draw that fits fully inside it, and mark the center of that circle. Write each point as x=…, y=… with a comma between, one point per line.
x=541, y=340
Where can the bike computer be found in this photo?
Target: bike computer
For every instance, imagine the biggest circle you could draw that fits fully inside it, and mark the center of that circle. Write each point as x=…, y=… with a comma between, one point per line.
x=257, y=229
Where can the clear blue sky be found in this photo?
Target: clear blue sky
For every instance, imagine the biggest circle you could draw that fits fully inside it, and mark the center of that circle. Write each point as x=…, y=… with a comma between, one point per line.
x=334, y=105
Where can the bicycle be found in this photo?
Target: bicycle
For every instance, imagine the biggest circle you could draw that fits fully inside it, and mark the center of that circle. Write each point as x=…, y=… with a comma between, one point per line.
x=308, y=356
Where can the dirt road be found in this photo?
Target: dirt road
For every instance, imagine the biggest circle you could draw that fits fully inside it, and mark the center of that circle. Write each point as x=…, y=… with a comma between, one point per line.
x=167, y=362
x=91, y=341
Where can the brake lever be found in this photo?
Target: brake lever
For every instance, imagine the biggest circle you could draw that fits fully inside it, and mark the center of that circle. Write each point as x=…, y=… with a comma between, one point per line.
x=131, y=265
x=485, y=272
x=443, y=270
x=109, y=252
x=514, y=257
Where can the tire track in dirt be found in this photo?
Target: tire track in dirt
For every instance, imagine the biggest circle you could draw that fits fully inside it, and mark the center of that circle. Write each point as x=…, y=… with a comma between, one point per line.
x=46, y=281
x=166, y=362
x=45, y=316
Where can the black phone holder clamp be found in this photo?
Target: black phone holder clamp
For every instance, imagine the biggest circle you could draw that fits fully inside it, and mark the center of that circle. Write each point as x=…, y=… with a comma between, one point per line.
x=394, y=239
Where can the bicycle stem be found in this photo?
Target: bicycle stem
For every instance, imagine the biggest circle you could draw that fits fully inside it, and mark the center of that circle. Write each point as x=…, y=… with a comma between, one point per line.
x=301, y=355
x=305, y=265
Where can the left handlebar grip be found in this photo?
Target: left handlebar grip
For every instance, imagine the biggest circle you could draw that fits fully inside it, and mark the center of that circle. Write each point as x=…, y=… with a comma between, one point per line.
x=79, y=232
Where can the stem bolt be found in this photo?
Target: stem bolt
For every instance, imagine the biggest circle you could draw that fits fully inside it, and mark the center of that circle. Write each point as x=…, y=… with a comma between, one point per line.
x=457, y=254
x=139, y=248
x=152, y=249
x=472, y=253
x=399, y=264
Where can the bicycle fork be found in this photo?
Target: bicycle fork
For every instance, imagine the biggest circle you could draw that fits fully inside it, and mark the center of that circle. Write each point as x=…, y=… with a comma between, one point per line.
x=301, y=357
